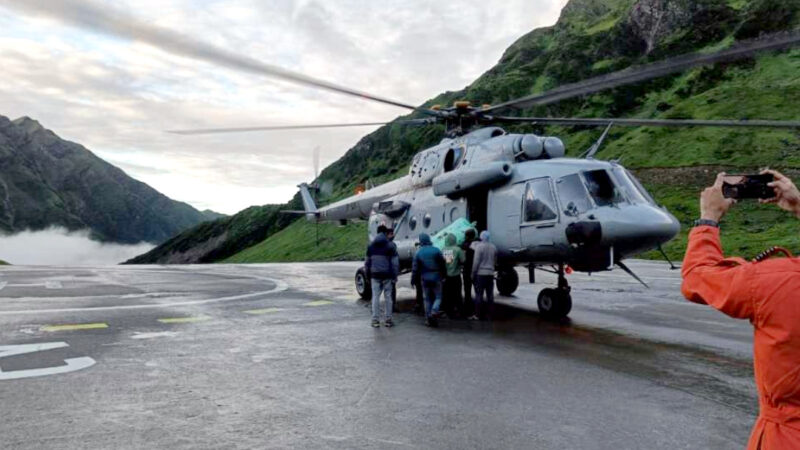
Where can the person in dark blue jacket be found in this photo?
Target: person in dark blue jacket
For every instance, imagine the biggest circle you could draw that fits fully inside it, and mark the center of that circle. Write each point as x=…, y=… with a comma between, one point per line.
x=382, y=266
x=429, y=269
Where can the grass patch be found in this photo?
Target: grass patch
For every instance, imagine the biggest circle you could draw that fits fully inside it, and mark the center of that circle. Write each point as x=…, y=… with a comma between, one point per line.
x=3, y=263
x=605, y=24
x=748, y=229
x=298, y=243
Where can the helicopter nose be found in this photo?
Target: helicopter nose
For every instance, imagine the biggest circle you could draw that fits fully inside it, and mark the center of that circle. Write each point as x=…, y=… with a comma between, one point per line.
x=639, y=228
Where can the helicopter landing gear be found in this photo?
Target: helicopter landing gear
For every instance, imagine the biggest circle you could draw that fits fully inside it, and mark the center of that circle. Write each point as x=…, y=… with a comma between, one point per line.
x=507, y=281
x=556, y=303
x=363, y=286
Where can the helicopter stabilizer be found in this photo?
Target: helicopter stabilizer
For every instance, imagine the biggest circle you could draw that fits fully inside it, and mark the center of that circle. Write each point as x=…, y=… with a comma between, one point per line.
x=311, y=210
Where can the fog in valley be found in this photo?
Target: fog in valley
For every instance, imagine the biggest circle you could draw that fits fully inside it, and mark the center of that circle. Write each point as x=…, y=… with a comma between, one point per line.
x=57, y=246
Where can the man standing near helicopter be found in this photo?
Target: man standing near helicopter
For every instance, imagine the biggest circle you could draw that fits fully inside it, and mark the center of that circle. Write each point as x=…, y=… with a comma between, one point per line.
x=483, y=266
x=428, y=270
x=764, y=291
x=382, y=266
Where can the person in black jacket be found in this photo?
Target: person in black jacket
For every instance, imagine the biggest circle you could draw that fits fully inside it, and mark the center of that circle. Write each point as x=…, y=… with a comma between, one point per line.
x=469, y=253
x=382, y=266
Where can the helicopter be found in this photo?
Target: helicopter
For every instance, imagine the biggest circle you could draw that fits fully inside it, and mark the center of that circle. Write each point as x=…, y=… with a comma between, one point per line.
x=544, y=211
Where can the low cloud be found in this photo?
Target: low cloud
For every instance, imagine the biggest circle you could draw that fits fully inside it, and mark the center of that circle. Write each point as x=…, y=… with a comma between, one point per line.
x=59, y=247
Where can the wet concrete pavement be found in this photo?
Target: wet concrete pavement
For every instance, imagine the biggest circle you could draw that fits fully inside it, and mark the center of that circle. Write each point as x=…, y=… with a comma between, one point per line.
x=282, y=356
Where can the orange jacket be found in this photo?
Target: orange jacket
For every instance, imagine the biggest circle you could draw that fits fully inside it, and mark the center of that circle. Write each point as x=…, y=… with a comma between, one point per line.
x=766, y=293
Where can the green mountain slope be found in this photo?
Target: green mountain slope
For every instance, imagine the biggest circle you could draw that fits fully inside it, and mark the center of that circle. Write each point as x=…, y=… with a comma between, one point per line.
x=219, y=239
x=305, y=241
x=46, y=181
x=593, y=37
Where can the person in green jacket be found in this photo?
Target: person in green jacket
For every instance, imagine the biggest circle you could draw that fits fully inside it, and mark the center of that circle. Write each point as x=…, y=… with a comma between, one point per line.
x=454, y=259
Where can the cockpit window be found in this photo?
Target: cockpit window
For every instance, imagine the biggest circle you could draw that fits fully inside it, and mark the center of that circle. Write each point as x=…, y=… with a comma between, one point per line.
x=601, y=188
x=573, y=195
x=641, y=188
x=627, y=186
x=539, y=202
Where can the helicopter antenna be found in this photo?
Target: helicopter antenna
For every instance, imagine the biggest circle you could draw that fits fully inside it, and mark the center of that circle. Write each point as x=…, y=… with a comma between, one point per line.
x=589, y=154
x=630, y=272
x=664, y=254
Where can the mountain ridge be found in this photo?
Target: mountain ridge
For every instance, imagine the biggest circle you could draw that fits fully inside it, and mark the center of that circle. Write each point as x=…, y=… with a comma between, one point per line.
x=47, y=181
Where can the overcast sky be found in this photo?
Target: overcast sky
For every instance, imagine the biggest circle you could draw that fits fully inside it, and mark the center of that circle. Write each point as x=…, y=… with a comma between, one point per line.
x=78, y=68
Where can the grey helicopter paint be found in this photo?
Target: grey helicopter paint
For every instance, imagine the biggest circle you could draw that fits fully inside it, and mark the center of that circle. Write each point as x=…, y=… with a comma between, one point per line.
x=525, y=192
x=544, y=210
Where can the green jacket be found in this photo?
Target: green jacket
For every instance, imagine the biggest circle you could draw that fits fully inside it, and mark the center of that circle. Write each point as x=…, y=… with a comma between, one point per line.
x=454, y=257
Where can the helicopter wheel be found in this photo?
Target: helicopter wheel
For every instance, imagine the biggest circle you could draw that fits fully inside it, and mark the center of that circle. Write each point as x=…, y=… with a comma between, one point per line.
x=507, y=281
x=554, y=303
x=363, y=286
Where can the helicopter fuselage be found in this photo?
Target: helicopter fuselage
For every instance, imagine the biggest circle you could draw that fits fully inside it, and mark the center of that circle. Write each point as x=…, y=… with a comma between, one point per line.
x=540, y=208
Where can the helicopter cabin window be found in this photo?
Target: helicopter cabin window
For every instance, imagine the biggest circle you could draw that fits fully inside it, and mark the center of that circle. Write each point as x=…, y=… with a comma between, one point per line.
x=601, y=188
x=539, y=202
x=412, y=223
x=453, y=158
x=426, y=221
x=573, y=195
x=454, y=214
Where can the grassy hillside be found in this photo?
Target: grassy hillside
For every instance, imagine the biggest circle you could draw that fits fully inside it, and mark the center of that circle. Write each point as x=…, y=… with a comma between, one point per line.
x=593, y=37
x=748, y=229
x=3, y=263
x=219, y=239
x=298, y=242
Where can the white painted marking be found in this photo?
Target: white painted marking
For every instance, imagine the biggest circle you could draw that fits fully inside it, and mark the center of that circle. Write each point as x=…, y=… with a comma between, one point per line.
x=3, y=284
x=280, y=286
x=153, y=335
x=72, y=364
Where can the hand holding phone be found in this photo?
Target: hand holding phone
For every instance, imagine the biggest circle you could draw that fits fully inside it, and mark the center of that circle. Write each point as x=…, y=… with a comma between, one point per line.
x=741, y=187
x=787, y=196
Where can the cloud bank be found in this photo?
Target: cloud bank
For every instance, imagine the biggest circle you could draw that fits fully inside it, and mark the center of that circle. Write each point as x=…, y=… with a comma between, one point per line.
x=115, y=85
x=59, y=247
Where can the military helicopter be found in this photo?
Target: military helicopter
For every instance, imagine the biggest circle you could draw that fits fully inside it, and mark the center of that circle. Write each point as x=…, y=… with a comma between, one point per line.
x=544, y=211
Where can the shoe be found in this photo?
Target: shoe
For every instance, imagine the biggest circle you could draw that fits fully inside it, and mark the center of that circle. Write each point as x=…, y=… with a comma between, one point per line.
x=472, y=317
x=428, y=323
x=375, y=324
x=434, y=322
x=388, y=323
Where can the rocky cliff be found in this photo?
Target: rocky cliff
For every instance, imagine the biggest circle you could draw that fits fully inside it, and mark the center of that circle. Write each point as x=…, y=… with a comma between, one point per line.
x=46, y=181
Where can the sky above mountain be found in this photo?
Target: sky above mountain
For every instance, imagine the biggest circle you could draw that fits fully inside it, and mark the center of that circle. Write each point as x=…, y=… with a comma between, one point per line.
x=93, y=73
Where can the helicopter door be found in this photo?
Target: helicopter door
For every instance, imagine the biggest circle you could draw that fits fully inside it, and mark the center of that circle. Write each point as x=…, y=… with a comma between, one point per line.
x=504, y=216
x=539, y=216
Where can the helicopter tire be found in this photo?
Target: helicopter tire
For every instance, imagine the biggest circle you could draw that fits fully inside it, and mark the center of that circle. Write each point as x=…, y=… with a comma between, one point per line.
x=507, y=281
x=554, y=304
x=363, y=285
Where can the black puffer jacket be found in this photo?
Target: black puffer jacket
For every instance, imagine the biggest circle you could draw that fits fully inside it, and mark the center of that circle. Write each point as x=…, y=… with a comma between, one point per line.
x=383, y=262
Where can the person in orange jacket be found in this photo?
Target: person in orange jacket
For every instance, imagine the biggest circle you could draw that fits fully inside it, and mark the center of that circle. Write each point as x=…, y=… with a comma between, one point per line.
x=766, y=293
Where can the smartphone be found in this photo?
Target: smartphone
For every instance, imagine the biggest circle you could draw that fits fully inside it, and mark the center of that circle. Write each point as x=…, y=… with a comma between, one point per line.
x=748, y=186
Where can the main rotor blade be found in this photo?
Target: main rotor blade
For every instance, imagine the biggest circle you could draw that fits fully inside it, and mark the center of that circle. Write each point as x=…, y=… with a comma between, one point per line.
x=741, y=50
x=603, y=122
x=298, y=127
x=105, y=19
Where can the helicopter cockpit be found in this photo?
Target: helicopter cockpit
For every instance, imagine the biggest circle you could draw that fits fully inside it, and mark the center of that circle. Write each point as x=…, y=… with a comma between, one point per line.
x=580, y=207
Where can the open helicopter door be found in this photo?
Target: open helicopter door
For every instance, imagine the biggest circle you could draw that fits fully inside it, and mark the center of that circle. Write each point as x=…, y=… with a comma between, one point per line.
x=504, y=208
